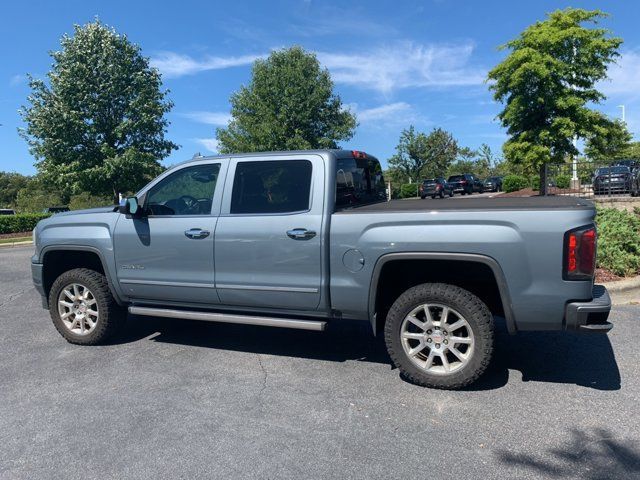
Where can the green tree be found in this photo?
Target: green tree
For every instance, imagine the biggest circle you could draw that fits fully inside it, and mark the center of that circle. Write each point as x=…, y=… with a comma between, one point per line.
x=98, y=124
x=470, y=161
x=420, y=155
x=10, y=184
x=612, y=143
x=288, y=105
x=37, y=195
x=547, y=83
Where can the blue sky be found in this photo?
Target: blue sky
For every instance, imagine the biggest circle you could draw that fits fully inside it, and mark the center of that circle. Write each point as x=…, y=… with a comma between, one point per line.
x=394, y=63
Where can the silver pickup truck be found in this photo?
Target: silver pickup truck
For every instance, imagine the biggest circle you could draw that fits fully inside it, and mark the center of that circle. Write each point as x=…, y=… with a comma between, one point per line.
x=302, y=239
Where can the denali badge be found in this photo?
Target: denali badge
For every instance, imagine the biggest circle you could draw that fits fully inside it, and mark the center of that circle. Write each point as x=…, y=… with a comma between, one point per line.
x=133, y=267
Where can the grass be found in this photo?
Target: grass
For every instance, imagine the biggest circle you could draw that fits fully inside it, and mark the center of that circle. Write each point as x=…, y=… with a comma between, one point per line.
x=15, y=239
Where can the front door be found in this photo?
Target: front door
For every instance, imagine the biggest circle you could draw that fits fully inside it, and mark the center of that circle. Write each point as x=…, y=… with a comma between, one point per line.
x=269, y=234
x=167, y=255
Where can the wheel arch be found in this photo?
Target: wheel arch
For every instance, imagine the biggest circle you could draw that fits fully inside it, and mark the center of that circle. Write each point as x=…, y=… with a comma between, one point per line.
x=377, y=310
x=57, y=259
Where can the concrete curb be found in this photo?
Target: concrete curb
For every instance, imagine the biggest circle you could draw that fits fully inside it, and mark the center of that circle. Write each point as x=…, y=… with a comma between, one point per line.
x=623, y=285
x=16, y=244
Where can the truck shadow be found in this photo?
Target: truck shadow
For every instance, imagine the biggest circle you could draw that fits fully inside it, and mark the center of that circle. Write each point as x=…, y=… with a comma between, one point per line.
x=557, y=357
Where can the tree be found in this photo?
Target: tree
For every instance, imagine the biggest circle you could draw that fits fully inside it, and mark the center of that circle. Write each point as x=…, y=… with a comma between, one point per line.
x=420, y=155
x=288, y=105
x=612, y=143
x=10, y=184
x=546, y=84
x=470, y=161
x=98, y=124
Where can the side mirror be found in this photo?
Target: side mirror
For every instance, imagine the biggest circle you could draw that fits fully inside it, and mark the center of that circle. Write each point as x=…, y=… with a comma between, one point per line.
x=130, y=206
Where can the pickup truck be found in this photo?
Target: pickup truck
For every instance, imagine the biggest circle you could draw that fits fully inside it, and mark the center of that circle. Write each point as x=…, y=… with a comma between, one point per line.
x=302, y=239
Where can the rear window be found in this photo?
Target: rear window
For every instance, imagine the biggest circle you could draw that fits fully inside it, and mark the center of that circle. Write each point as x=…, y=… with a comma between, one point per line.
x=282, y=186
x=612, y=170
x=359, y=181
x=456, y=178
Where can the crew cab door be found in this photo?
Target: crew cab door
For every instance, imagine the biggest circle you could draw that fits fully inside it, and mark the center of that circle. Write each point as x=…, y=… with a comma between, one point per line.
x=167, y=254
x=269, y=235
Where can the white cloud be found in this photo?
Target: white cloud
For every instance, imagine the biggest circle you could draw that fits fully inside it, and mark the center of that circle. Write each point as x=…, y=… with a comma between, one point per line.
x=210, y=144
x=173, y=65
x=17, y=80
x=624, y=75
x=388, y=115
x=209, y=118
x=405, y=64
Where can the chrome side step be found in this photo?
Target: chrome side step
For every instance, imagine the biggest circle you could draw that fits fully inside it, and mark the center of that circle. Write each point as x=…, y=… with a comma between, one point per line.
x=229, y=318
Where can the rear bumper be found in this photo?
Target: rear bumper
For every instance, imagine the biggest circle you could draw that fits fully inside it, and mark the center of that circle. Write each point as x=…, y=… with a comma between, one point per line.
x=590, y=316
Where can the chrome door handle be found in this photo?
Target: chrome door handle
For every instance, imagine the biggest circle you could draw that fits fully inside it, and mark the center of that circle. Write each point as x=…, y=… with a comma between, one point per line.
x=300, y=234
x=196, y=233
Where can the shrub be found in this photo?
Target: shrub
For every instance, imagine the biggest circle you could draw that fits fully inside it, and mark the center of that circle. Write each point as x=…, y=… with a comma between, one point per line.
x=409, y=190
x=23, y=222
x=563, y=181
x=513, y=183
x=86, y=200
x=618, y=241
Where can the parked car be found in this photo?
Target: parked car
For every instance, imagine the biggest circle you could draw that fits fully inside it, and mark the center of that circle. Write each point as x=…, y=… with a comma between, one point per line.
x=616, y=179
x=7, y=211
x=54, y=210
x=632, y=164
x=435, y=187
x=263, y=239
x=493, y=184
x=465, y=184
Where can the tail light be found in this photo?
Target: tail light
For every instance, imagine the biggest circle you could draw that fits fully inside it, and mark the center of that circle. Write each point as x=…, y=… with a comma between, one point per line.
x=463, y=182
x=580, y=254
x=358, y=154
x=422, y=188
x=438, y=187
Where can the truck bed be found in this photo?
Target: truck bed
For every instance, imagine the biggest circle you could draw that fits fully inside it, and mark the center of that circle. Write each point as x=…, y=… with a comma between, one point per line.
x=496, y=203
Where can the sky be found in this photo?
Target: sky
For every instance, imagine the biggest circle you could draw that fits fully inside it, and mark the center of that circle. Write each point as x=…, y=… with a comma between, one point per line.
x=394, y=63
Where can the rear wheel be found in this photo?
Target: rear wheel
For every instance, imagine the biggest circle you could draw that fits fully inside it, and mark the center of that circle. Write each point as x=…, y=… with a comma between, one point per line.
x=450, y=193
x=423, y=197
x=82, y=307
x=439, y=336
x=441, y=194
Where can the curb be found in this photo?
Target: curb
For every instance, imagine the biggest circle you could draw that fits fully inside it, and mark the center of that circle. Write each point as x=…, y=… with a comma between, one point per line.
x=16, y=244
x=623, y=285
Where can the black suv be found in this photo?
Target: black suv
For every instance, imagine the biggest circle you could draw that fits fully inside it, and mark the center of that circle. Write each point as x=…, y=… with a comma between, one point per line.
x=493, y=184
x=465, y=184
x=615, y=179
x=435, y=187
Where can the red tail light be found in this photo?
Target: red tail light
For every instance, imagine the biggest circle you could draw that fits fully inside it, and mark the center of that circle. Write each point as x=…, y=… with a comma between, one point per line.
x=438, y=187
x=463, y=182
x=358, y=154
x=580, y=254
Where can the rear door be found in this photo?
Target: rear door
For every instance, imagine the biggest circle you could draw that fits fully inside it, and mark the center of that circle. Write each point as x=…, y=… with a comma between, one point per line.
x=269, y=235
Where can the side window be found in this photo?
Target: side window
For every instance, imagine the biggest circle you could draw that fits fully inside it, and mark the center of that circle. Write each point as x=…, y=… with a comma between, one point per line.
x=189, y=191
x=359, y=181
x=281, y=186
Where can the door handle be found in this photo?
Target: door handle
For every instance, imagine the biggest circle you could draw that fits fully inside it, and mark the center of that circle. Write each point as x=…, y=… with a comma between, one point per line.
x=300, y=234
x=196, y=233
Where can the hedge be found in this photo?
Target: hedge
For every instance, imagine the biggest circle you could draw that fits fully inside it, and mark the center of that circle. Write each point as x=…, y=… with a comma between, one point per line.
x=409, y=190
x=513, y=183
x=563, y=181
x=618, y=241
x=23, y=222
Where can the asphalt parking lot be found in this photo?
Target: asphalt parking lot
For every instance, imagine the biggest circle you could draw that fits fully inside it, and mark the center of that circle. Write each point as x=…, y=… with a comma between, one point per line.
x=176, y=399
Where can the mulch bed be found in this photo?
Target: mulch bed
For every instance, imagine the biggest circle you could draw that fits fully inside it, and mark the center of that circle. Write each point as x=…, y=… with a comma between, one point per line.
x=530, y=192
x=15, y=235
x=604, y=275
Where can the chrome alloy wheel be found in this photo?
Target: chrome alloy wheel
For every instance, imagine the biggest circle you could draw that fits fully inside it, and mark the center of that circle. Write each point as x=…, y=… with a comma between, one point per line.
x=78, y=309
x=437, y=339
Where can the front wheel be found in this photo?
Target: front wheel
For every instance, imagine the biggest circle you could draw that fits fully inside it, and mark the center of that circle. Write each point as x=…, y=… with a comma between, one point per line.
x=439, y=336
x=82, y=307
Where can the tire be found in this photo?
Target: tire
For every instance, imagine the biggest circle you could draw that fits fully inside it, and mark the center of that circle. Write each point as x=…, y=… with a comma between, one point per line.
x=423, y=197
x=433, y=196
x=463, y=305
x=441, y=194
x=450, y=193
x=98, y=315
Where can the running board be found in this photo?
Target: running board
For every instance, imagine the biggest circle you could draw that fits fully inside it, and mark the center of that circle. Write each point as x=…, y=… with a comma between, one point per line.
x=229, y=318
